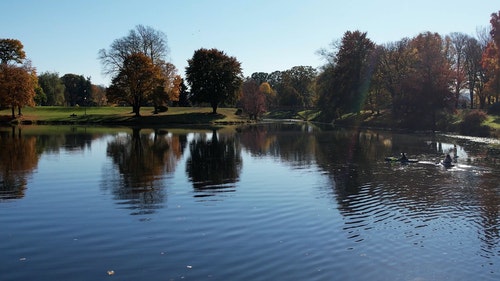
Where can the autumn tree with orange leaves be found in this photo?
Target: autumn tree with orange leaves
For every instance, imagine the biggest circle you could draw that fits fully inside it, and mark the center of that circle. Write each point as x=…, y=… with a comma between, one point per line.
x=169, y=90
x=491, y=62
x=17, y=80
x=135, y=82
x=116, y=61
x=429, y=80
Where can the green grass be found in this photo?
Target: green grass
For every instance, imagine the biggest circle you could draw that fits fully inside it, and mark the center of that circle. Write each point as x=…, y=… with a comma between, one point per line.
x=305, y=115
x=123, y=115
x=493, y=122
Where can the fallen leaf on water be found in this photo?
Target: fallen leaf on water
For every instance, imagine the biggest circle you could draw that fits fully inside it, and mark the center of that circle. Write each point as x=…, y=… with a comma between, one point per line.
x=111, y=272
x=189, y=266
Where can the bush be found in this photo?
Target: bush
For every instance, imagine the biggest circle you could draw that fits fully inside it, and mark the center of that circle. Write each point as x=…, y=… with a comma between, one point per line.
x=160, y=108
x=472, y=124
x=494, y=109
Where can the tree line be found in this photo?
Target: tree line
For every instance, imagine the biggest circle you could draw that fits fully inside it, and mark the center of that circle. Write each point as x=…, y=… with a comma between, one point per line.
x=419, y=79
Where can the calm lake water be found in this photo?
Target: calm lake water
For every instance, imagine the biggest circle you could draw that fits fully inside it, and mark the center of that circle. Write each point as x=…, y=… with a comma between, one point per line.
x=264, y=202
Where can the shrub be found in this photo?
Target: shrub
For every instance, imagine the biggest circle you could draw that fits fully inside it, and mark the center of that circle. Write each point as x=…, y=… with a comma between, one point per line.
x=494, y=109
x=160, y=108
x=472, y=124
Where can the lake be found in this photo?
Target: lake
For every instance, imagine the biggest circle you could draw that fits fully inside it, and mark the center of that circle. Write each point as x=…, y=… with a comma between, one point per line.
x=277, y=201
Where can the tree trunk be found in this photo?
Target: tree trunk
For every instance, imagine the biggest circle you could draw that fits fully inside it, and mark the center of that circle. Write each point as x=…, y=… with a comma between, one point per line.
x=13, y=112
x=214, y=108
x=136, y=106
x=482, y=101
x=136, y=109
x=471, y=93
x=19, y=111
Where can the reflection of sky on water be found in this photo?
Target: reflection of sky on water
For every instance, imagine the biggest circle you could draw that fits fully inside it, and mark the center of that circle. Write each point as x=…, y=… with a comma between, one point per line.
x=65, y=162
x=453, y=150
x=301, y=208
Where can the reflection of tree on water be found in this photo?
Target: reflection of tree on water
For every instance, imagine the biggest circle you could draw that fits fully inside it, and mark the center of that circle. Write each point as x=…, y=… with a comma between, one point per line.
x=18, y=159
x=142, y=162
x=75, y=139
x=489, y=203
x=258, y=140
x=214, y=165
x=347, y=155
x=291, y=142
x=371, y=193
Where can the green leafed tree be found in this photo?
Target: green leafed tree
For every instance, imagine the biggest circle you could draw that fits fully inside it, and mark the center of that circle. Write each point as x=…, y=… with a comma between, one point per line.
x=53, y=87
x=77, y=89
x=345, y=81
x=214, y=77
x=298, y=87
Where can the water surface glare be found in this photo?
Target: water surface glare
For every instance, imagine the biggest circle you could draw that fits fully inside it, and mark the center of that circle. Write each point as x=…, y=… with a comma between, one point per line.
x=260, y=202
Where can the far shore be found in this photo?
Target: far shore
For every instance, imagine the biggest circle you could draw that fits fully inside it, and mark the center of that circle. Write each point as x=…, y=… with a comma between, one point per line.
x=58, y=115
x=196, y=116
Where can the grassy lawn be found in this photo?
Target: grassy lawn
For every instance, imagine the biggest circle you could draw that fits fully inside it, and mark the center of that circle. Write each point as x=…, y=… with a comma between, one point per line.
x=123, y=115
x=493, y=122
x=305, y=115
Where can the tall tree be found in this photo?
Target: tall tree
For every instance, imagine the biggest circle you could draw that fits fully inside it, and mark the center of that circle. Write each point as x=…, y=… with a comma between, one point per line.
x=473, y=68
x=143, y=39
x=135, y=82
x=168, y=91
x=395, y=65
x=17, y=86
x=378, y=95
x=150, y=43
x=183, y=94
x=458, y=56
x=214, y=77
x=297, y=87
x=430, y=80
x=11, y=50
x=490, y=63
x=53, y=87
x=260, y=77
x=495, y=29
x=346, y=89
x=253, y=98
x=98, y=96
x=274, y=79
x=77, y=89
x=493, y=51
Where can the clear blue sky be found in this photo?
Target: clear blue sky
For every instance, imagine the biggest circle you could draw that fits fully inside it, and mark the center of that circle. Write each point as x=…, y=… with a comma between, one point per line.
x=65, y=36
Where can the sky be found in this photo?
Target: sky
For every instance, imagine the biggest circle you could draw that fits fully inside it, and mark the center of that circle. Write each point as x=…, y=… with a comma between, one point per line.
x=65, y=36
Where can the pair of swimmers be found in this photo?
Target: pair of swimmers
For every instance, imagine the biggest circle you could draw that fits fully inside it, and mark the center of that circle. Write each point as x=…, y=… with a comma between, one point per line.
x=447, y=160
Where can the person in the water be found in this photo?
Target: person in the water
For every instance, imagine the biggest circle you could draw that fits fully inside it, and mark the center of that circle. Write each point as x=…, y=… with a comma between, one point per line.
x=447, y=160
x=403, y=157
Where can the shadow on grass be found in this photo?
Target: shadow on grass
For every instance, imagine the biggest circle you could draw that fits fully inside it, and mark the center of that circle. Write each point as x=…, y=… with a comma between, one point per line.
x=167, y=119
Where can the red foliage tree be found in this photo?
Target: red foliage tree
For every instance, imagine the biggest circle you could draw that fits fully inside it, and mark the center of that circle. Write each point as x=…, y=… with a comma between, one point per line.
x=253, y=99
